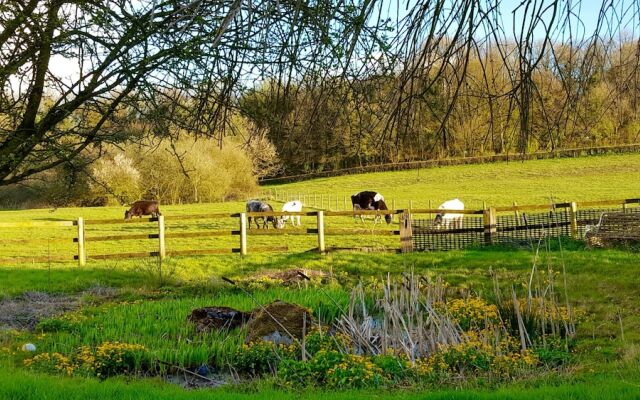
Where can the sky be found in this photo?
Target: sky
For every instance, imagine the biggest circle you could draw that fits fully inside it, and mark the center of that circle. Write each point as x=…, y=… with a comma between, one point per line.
x=581, y=29
x=583, y=15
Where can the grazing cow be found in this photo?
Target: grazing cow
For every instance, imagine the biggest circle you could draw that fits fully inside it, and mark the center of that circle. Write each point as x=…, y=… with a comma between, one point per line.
x=370, y=201
x=261, y=206
x=143, y=207
x=292, y=206
x=450, y=220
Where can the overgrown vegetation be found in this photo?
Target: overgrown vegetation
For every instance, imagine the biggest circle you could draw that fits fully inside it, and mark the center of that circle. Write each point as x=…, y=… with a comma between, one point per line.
x=599, y=282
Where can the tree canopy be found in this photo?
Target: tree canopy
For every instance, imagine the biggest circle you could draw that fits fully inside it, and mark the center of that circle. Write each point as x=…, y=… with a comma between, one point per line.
x=327, y=81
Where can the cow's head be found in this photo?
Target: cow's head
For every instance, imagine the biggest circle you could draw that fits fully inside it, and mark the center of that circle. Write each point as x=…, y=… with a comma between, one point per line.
x=278, y=222
x=383, y=206
x=127, y=215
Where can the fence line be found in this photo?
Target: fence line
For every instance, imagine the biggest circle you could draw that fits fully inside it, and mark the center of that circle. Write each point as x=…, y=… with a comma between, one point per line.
x=488, y=226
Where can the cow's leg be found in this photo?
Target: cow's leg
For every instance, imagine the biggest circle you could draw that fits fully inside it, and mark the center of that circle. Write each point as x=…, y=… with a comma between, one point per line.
x=361, y=216
x=298, y=219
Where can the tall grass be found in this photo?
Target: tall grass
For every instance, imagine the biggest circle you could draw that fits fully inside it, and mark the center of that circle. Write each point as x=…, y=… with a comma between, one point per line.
x=162, y=327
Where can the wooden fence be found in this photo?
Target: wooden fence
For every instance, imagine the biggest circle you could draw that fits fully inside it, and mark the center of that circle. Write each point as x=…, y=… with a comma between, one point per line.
x=483, y=226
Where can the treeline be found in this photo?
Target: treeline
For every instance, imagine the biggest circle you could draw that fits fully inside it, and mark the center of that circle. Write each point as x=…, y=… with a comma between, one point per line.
x=185, y=170
x=574, y=96
x=436, y=106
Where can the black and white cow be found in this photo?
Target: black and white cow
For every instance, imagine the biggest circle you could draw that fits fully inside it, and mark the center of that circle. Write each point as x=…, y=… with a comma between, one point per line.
x=261, y=206
x=370, y=201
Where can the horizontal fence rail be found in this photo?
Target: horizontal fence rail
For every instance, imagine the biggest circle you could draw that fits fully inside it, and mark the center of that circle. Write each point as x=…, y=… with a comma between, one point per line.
x=37, y=224
x=518, y=224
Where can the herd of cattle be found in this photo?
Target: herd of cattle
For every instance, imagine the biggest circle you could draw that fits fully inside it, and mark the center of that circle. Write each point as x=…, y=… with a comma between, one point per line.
x=367, y=201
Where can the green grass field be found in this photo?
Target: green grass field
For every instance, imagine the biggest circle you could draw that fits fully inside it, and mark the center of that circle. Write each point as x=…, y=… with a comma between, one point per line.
x=497, y=184
x=150, y=308
x=500, y=184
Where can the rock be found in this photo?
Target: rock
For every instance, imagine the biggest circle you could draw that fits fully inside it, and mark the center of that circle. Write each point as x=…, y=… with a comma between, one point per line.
x=208, y=318
x=262, y=325
x=203, y=370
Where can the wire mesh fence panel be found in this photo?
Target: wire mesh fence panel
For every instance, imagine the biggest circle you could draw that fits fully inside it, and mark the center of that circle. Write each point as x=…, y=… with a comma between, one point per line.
x=527, y=227
x=591, y=216
x=449, y=235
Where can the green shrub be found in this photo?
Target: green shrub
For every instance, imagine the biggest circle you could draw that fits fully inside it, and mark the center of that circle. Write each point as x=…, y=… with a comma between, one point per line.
x=332, y=369
x=395, y=368
x=262, y=357
x=317, y=340
x=108, y=359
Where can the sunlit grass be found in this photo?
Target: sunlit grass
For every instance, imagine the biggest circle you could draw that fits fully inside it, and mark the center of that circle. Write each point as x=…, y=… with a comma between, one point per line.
x=496, y=184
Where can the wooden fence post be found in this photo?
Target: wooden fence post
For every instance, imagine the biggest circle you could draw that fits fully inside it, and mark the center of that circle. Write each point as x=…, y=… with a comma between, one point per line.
x=82, y=253
x=162, y=250
x=406, y=234
x=490, y=229
x=320, y=216
x=243, y=234
x=393, y=207
x=573, y=214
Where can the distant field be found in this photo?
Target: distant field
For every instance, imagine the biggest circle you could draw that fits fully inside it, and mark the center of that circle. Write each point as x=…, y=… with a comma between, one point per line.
x=528, y=182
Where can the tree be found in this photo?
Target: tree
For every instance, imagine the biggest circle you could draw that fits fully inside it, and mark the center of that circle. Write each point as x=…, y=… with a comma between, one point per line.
x=168, y=62
x=446, y=76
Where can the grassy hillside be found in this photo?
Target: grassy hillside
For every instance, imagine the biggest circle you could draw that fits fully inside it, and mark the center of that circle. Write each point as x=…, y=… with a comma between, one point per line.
x=528, y=182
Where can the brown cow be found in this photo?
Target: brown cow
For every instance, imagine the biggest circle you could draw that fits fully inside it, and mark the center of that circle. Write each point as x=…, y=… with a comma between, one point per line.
x=143, y=207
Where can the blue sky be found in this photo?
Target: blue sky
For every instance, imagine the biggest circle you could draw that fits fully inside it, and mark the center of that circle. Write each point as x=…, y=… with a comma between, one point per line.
x=581, y=15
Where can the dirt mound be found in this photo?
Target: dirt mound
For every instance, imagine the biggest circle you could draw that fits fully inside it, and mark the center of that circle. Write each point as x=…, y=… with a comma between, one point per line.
x=25, y=311
x=290, y=317
x=208, y=318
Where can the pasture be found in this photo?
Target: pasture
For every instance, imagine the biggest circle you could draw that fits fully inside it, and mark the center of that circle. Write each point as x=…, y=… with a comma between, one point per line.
x=140, y=301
